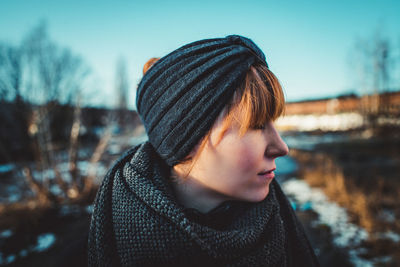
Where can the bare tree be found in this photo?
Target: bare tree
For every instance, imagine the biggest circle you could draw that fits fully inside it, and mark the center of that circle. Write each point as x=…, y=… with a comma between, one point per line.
x=373, y=62
x=45, y=77
x=52, y=73
x=122, y=87
x=14, y=117
x=10, y=72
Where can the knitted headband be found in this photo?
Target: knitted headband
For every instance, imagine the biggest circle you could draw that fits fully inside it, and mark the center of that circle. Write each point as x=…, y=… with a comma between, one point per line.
x=182, y=94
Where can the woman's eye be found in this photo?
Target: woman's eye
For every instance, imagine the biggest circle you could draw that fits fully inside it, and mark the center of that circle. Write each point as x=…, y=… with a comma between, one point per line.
x=259, y=127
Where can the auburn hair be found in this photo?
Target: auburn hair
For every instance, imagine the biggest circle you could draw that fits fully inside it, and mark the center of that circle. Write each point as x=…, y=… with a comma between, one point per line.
x=257, y=101
x=149, y=63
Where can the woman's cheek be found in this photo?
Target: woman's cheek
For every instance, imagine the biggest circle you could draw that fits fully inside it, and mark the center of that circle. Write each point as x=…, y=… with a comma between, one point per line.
x=240, y=154
x=246, y=159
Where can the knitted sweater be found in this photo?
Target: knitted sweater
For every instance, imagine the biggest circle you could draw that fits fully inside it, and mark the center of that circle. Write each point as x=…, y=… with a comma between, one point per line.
x=138, y=222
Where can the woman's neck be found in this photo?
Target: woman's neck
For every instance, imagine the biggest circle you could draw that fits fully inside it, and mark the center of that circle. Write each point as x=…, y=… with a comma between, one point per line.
x=192, y=194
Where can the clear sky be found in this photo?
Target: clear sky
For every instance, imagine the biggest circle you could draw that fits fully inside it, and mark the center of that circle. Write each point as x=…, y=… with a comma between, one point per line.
x=307, y=43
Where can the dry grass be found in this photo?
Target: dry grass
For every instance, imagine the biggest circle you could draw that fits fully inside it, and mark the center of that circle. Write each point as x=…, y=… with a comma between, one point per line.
x=362, y=202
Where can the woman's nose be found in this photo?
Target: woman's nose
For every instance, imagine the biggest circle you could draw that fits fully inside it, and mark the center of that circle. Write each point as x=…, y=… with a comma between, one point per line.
x=276, y=146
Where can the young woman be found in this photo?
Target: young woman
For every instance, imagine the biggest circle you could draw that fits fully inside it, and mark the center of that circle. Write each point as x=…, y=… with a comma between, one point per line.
x=201, y=191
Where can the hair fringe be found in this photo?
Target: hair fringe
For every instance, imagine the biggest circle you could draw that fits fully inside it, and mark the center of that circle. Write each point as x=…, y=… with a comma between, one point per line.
x=256, y=102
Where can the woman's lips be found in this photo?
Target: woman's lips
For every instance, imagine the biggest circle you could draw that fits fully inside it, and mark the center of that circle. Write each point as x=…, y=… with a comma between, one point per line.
x=267, y=174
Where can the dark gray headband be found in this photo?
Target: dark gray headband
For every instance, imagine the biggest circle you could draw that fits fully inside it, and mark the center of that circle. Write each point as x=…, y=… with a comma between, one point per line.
x=182, y=94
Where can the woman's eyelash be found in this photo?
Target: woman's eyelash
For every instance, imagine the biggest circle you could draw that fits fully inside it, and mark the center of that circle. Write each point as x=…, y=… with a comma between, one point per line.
x=259, y=127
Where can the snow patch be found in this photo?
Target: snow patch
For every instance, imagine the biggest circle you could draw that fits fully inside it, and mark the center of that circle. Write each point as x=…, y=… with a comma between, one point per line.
x=6, y=233
x=66, y=210
x=387, y=215
x=23, y=253
x=330, y=213
x=389, y=235
x=89, y=209
x=138, y=139
x=308, y=142
x=325, y=122
x=6, y=260
x=4, y=168
x=357, y=261
x=345, y=234
x=44, y=242
x=114, y=149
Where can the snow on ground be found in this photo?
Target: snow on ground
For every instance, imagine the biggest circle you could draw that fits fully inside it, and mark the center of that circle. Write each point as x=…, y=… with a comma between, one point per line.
x=389, y=235
x=44, y=242
x=4, y=168
x=308, y=142
x=6, y=233
x=89, y=209
x=138, y=139
x=66, y=210
x=345, y=234
x=6, y=260
x=325, y=122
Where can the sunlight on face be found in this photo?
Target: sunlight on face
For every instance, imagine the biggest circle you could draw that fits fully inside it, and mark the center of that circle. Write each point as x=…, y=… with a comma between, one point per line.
x=238, y=167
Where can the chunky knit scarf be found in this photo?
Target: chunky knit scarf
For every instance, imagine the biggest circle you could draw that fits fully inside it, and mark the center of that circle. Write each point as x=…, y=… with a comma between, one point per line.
x=138, y=222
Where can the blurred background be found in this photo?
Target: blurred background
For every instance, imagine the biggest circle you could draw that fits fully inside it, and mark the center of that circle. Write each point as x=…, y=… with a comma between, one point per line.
x=68, y=76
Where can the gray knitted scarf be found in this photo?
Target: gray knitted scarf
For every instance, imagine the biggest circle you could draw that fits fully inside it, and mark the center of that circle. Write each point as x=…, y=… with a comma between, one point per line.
x=138, y=222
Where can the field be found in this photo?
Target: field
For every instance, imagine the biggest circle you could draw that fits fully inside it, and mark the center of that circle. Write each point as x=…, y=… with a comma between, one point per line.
x=343, y=186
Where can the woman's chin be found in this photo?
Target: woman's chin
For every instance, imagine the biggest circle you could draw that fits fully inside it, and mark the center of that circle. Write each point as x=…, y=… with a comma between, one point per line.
x=256, y=196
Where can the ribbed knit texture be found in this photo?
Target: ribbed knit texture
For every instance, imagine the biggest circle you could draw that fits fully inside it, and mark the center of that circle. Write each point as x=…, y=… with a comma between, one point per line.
x=182, y=94
x=138, y=222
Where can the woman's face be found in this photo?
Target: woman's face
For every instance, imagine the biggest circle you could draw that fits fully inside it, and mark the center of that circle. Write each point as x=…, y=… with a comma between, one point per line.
x=238, y=167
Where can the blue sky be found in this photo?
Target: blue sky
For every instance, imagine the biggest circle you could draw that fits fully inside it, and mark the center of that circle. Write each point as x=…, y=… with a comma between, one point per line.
x=307, y=43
